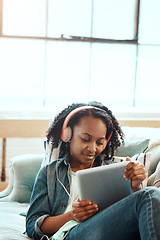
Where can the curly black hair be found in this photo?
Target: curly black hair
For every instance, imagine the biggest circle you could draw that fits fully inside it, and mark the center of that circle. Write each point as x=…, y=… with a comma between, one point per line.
x=100, y=111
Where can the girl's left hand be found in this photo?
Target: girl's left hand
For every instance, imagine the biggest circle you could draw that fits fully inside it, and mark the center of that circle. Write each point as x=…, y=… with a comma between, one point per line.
x=135, y=172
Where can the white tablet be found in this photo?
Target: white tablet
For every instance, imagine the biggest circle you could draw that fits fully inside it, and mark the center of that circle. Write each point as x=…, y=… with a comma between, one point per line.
x=103, y=185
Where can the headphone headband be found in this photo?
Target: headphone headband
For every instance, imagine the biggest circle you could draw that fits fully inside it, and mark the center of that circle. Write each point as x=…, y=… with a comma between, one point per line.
x=72, y=113
x=66, y=132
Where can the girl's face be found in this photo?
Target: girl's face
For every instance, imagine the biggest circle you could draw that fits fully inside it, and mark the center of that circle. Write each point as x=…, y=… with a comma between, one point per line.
x=88, y=141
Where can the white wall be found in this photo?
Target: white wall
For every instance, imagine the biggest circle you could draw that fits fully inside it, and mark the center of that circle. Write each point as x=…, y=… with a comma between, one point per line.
x=19, y=146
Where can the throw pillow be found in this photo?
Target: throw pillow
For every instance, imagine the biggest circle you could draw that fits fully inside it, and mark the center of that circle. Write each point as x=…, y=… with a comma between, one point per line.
x=130, y=148
x=143, y=158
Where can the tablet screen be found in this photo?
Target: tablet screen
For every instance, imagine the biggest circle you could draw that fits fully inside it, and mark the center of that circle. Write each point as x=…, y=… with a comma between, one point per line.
x=103, y=185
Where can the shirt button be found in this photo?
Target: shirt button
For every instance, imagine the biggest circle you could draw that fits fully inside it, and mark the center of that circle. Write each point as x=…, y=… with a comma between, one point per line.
x=63, y=206
x=68, y=188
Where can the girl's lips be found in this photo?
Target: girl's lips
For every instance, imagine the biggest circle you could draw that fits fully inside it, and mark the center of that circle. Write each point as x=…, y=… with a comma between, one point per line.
x=89, y=156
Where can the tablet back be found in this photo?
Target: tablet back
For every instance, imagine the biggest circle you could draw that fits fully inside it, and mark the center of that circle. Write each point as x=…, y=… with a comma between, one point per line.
x=103, y=185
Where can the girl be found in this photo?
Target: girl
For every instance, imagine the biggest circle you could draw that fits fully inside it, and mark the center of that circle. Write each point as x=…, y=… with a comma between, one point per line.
x=87, y=136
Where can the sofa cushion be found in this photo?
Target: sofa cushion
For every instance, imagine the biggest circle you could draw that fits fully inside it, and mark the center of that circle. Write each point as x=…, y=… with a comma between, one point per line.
x=24, y=169
x=12, y=224
x=130, y=148
x=155, y=158
x=154, y=179
x=143, y=158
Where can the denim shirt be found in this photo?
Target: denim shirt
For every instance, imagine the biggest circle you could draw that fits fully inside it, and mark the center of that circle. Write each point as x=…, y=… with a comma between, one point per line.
x=48, y=196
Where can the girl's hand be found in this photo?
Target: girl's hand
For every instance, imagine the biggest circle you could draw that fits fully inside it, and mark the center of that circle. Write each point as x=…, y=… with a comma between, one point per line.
x=135, y=172
x=83, y=209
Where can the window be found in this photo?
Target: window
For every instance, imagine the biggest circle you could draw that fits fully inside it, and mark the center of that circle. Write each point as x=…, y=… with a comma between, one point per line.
x=55, y=52
x=111, y=21
x=24, y=17
x=69, y=17
x=109, y=63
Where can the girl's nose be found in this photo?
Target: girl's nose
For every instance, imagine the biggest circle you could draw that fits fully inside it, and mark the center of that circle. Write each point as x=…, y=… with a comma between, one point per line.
x=92, y=147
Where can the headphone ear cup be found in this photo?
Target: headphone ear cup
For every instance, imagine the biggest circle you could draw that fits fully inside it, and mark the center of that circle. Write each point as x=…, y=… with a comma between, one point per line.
x=69, y=134
x=66, y=134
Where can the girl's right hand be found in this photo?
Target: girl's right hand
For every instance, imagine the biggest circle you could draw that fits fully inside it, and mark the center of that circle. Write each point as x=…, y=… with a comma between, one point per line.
x=83, y=209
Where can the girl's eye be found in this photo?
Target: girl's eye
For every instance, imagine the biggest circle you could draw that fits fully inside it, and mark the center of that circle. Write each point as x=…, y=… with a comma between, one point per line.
x=85, y=140
x=100, y=143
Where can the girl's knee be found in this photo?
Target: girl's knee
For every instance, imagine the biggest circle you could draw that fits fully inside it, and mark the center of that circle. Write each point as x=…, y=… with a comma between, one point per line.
x=150, y=193
x=151, y=190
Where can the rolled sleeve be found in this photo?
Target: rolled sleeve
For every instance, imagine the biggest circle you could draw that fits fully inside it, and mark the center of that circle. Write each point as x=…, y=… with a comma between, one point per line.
x=39, y=223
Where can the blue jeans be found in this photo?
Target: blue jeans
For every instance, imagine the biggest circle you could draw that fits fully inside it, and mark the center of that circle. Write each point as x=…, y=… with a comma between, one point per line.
x=135, y=217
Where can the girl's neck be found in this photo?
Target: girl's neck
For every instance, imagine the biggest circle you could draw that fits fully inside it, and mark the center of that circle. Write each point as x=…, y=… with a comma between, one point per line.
x=75, y=168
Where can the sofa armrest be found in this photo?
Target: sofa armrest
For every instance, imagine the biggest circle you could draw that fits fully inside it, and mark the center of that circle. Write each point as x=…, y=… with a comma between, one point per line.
x=154, y=179
x=23, y=171
x=9, y=188
x=155, y=158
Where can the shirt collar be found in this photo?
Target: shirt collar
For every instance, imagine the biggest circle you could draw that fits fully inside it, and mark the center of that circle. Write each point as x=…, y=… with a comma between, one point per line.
x=66, y=160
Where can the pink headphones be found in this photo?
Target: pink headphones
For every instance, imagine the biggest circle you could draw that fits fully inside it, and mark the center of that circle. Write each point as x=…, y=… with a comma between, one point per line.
x=66, y=132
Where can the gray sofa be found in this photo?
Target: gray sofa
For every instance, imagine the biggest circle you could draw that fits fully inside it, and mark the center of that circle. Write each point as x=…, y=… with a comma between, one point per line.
x=14, y=200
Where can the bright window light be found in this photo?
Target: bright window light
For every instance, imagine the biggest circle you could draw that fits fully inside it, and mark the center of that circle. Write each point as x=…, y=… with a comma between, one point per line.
x=39, y=69
x=116, y=17
x=24, y=17
x=148, y=77
x=21, y=72
x=69, y=17
x=113, y=74
x=67, y=71
x=149, y=32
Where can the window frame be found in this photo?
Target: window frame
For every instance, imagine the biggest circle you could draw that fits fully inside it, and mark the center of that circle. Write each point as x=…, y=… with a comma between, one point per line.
x=71, y=38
